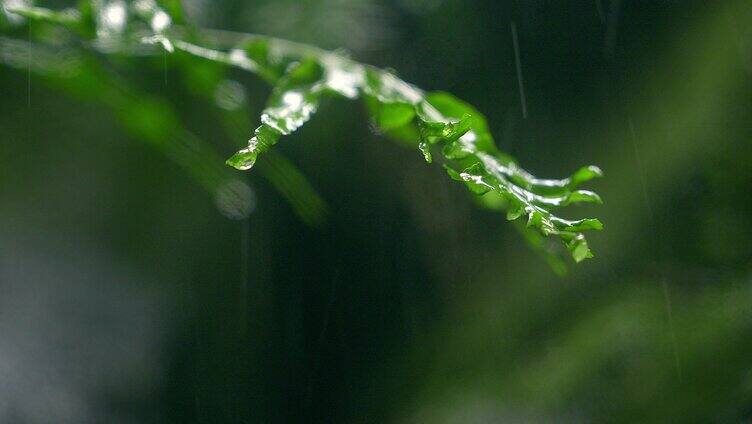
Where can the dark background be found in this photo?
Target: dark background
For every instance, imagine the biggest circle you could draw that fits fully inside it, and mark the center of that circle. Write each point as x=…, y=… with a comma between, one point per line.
x=126, y=296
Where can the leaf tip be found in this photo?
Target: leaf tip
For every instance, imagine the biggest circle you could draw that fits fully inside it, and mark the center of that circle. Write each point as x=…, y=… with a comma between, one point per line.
x=585, y=174
x=579, y=249
x=242, y=160
x=595, y=224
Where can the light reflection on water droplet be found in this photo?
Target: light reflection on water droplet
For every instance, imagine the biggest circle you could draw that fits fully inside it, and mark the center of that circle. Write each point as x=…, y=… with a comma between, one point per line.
x=235, y=200
x=345, y=82
x=230, y=95
x=160, y=21
x=292, y=99
x=112, y=18
x=13, y=4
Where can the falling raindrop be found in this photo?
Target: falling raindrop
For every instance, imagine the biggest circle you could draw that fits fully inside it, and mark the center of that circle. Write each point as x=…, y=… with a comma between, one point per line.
x=518, y=63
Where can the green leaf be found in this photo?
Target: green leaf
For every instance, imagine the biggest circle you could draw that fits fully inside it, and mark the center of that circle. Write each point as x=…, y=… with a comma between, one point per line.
x=442, y=120
x=150, y=118
x=394, y=115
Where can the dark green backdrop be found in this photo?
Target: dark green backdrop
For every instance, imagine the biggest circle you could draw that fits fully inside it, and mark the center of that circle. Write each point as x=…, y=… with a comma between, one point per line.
x=126, y=295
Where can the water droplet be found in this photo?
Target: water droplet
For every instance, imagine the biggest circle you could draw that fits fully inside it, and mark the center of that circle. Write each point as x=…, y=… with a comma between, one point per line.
x=112, y=18
x=13, y=18
x=160, y=21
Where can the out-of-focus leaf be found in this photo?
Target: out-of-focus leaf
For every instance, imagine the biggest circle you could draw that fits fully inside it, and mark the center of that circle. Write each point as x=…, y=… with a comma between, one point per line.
x=68, y=17
x=150, y=118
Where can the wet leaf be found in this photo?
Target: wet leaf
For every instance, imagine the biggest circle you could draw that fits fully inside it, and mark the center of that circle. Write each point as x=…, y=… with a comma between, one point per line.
x=302, y=76
x=443, y=120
